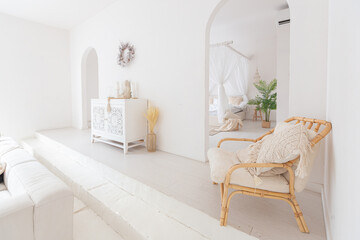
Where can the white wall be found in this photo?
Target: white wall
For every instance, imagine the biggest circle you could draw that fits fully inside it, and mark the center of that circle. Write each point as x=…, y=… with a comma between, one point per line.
x=308, y=68
x=255, y=37
x=169, y=67
x=308, y=57
x=35, y=90
x=342, y=162
x=283, y=66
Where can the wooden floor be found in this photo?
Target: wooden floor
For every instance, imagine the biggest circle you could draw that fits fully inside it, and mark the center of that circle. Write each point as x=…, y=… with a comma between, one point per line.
x=189, y=181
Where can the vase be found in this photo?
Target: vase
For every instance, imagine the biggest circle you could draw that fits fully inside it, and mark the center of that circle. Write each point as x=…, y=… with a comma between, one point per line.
x=151, y=142
x=266, y=124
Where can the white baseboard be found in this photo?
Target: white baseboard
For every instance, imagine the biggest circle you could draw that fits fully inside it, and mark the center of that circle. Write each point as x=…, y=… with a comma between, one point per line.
x=314, y=187
x=326, y=215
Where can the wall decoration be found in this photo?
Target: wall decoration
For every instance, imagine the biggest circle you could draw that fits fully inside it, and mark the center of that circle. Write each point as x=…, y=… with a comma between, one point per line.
x=126, y=93
x=257, y=77
x=126, y=54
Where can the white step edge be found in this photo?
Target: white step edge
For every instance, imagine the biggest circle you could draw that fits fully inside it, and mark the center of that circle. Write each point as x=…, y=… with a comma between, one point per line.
x=205, y=225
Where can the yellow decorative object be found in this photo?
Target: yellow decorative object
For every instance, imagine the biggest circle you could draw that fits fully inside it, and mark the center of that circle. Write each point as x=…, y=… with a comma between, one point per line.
x=152, y=115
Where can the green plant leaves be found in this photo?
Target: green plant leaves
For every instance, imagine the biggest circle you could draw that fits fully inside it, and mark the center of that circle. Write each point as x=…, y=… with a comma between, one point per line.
x=267, y=100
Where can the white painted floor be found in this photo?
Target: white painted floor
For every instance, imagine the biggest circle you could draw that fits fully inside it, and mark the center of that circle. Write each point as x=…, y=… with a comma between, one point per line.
x=189, y=181
x=89, y=226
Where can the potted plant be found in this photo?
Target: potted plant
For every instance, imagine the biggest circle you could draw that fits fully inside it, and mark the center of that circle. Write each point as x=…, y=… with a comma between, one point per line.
x=267, y=99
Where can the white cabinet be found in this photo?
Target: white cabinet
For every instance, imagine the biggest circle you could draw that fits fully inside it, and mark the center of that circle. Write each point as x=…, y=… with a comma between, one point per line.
x=123, y=126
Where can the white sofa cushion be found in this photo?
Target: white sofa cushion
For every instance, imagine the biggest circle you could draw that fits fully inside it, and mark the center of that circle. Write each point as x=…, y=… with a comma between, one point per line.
x=4, y=194
x=16, y=218
x=40, y=184
x=52, y=199
x=7, y=144
x=16, y=156
x=50, y=215
x=221, y=161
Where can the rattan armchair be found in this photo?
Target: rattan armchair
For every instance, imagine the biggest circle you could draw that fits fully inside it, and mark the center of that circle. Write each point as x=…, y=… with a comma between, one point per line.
x=288, y=197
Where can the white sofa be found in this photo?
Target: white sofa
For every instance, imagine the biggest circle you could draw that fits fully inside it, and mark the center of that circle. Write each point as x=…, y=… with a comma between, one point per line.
x=34, y=204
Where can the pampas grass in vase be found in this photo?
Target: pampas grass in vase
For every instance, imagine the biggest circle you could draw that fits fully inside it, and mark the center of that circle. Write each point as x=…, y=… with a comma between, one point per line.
x=152, y=115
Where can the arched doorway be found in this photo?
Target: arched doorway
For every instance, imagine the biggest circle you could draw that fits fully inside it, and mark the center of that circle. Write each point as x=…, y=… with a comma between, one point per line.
x=90, y=84
x=253, y=27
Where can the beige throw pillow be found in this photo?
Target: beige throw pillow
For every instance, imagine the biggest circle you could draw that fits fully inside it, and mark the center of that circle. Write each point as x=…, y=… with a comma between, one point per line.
x=286, y=143
x=278, y=170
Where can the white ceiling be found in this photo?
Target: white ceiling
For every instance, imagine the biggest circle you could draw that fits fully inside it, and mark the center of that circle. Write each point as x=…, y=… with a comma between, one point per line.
x=239, y=10
x=58, y=13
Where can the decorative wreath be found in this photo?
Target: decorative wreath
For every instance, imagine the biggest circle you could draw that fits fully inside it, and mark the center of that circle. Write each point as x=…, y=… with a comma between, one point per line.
x=126, y=54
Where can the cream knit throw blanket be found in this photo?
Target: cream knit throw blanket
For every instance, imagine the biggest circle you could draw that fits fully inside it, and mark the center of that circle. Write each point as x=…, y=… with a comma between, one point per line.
x=286, y=143
x=232, y=122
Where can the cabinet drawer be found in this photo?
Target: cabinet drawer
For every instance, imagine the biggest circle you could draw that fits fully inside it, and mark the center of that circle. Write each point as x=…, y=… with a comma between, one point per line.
x=115, y=120
x=98, y=117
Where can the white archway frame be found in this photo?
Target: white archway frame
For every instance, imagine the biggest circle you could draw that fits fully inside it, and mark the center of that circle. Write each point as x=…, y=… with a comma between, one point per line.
x=207, y=51
x=84, y=78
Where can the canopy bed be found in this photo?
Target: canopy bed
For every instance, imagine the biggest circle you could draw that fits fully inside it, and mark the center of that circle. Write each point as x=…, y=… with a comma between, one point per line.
x=228, y=83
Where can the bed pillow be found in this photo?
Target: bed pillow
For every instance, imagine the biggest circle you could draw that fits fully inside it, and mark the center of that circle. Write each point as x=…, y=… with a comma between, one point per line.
x=286, y=143
x=211, y=100
x=235, y=101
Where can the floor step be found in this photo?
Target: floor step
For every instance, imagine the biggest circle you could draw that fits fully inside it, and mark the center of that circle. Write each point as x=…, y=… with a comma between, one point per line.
x=133, y=209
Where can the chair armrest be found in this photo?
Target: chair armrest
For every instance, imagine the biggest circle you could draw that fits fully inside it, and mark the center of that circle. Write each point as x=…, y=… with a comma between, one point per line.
x=258, y=165
x=235, y=139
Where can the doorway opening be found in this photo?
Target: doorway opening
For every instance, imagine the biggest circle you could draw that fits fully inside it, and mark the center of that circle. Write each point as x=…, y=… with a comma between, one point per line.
x=246, y=41
x=90, y=84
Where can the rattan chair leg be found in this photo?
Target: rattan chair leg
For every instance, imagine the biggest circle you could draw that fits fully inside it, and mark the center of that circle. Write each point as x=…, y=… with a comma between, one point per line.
x=228, y=206
x=224, y=205
x=297, y=217
x=221, y=190
x=300, y=215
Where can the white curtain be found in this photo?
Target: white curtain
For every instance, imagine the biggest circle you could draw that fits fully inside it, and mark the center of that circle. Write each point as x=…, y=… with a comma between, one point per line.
x=229, y=73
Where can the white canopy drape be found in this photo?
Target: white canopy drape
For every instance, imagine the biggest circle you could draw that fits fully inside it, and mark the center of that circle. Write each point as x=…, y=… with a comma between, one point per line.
x=229, y=74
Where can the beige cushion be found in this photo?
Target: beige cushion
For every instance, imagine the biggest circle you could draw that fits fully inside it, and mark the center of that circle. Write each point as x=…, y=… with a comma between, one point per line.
x=236, y=101
x=221, y=161
x=286, y=143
